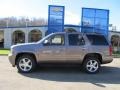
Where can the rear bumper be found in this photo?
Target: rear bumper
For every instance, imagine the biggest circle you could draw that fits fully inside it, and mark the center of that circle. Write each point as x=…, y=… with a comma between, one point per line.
x=11, y=58
x=107, y=59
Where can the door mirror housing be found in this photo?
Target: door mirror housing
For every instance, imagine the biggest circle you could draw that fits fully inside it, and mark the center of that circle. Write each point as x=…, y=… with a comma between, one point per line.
x=46, y=42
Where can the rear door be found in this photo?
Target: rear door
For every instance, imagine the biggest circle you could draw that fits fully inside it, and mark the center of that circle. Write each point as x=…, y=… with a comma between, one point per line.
x=76, y=47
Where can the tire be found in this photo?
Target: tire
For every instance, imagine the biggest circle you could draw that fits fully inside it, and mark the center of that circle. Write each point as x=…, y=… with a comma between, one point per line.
x=26, y=64
x=91, y=65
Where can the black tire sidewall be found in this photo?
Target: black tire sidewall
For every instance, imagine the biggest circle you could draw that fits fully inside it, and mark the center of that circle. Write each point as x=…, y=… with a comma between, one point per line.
x=32, y=60
x=85, y=65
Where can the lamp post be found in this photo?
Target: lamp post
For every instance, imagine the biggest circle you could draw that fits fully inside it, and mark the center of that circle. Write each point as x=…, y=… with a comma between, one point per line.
x=26, y=35
x=26, y=21
x=7, y=22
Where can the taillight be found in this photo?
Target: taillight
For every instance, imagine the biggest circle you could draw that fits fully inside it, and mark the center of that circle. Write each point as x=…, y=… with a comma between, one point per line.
x=110, y=50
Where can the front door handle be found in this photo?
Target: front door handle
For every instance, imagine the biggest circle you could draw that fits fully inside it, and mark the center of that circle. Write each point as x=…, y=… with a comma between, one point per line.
x=57, y=51
x=47, y=52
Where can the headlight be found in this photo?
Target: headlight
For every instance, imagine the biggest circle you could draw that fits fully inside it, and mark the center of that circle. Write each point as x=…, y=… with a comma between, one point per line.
x=12, y=50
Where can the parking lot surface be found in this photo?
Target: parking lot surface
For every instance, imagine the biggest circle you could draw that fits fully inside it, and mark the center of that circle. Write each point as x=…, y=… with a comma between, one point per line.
x=59, y=78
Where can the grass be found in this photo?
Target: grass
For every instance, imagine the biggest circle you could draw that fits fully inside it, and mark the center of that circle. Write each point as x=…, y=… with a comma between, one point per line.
x=4, y=51
x=116, y=54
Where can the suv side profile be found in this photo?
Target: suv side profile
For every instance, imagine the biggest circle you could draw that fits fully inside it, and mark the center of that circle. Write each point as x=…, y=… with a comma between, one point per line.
x=88, y=50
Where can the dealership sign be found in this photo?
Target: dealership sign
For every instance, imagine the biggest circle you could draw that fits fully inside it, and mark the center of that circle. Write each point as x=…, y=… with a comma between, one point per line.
x=95, y=21
x=55, y=19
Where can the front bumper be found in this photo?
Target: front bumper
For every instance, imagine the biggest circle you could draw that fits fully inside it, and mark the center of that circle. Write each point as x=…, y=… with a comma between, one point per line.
x=11, y=58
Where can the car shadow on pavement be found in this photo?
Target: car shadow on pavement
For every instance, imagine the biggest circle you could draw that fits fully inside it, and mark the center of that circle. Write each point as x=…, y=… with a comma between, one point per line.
x=107, y=75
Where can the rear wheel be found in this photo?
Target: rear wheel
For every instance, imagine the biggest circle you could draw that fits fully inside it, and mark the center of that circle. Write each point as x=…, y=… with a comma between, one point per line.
x=26, y=64
x=91, y=65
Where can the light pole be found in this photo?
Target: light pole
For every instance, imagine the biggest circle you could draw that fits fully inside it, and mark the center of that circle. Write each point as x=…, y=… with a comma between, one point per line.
x=7, y=22
x=26, y=20
x=26, y=35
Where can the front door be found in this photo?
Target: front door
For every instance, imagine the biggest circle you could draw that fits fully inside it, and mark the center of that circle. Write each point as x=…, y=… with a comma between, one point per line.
x=53, y=48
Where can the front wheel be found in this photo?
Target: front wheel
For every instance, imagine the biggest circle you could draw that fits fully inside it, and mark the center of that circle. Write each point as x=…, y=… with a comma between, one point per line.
x=26, y=64
x=91, y=65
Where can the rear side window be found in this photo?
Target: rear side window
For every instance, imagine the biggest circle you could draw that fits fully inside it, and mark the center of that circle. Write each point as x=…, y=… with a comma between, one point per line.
x=76, y=40
x=97, y=39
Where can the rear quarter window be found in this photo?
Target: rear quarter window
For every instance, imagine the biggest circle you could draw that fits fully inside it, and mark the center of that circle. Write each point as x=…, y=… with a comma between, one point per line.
x=97, y=40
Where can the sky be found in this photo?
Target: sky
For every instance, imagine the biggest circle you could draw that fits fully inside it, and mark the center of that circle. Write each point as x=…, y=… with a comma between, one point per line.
x=73, y=9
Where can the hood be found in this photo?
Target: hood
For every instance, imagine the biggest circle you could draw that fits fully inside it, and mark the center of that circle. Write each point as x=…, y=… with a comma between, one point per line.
x=24, y=46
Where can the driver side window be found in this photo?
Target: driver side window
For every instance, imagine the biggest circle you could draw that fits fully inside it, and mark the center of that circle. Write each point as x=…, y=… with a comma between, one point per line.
x=56, y=40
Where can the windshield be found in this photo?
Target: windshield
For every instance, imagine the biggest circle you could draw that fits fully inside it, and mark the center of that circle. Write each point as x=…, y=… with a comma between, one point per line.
x=44, y=38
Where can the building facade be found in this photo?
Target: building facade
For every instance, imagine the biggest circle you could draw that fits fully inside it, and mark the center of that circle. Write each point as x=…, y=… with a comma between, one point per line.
x=13, y=35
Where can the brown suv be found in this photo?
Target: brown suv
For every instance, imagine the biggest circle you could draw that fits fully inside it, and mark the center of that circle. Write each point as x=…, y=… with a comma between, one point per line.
x=88, y=50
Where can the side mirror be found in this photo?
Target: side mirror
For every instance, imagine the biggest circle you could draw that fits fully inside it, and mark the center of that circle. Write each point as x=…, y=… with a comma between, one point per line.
x=46, y=42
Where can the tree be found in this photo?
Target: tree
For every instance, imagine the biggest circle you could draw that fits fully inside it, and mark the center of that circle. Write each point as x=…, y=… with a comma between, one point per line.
x=21, y=21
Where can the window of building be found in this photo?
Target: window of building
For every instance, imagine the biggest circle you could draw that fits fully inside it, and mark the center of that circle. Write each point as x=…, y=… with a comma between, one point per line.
x=35, y=35
x=18, y=37
x=1, y=39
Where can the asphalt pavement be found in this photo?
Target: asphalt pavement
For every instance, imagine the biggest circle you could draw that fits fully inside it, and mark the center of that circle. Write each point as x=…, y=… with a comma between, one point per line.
x=59, y=78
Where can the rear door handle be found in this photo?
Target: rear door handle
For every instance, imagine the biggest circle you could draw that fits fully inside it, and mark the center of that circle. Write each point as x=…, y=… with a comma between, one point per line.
x=83, y=48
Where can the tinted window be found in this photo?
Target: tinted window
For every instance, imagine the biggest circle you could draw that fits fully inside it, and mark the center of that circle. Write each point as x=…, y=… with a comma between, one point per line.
x=97, y=39
x=76, y=40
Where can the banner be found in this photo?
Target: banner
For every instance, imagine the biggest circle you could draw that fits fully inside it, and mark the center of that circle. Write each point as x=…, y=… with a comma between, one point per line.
x=55, y=19
x=95, y=21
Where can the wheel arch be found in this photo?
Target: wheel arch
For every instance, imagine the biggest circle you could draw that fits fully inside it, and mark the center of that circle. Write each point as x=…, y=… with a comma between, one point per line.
x=96, y=55
x=25, y=53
